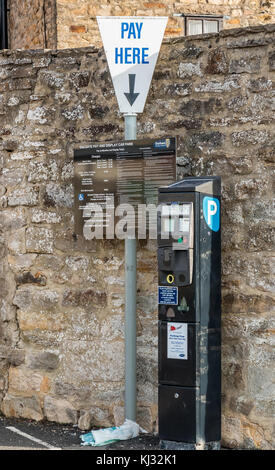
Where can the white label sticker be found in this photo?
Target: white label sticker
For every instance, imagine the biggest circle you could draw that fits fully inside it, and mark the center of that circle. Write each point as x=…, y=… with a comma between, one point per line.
x=177, y=340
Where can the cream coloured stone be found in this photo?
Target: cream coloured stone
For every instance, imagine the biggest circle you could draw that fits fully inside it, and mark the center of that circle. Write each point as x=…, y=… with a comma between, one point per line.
x=22, y=407
x=59, y=411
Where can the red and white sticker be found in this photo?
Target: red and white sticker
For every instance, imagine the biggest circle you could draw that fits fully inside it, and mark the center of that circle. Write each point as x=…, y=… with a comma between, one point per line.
x=177, y=341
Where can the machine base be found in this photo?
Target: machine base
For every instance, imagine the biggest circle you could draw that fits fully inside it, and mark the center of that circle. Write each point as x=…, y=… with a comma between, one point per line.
x=173, y=445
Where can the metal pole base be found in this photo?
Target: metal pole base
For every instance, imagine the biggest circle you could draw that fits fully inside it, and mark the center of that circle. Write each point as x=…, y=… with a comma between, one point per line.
x=173, y=445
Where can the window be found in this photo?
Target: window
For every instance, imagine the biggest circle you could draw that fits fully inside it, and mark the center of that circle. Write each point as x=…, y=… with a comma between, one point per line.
x=197, y=24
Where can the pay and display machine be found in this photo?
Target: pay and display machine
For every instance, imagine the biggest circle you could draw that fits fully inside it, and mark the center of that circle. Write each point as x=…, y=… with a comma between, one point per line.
x=189, y=297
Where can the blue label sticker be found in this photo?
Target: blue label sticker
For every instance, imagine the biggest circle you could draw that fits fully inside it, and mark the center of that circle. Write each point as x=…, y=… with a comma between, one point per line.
x=81, y=197
x=164, y=143
x=168, y=295
x=211, y=212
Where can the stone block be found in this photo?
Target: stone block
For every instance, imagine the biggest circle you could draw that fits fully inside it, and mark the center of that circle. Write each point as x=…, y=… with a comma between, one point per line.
x=252, y=136
x=81, y=397
x=208, y=139
x=187, y=70
x=200, y=108
x=46, y=298
x=49, y=262
x=189, y=51
x=78, y=29
x=7, y=311
x=94, y=417
x=84, y=298
x=28, y=277
x=250, y=187
x=39, y=62
x=85, y=421
x=44, y=360
x=76, y=263
x=216, y=62
x=95, y=131
x=67, y=171
x=17, y=242
x=13, y=220
x=26, y=196
x=232, y=436
x=44, y=216
x=12, y=176
x=239, y=302
x=79, y=79
x=40, y=171
x=259, y=237
x=144, y=418
x=237, y=103
x=22, y=407
x=271, y=61
x=178, y=89
x=33, y=323
x=22, y=298
x=95, y=361
x=245, y=65
x=39, y=240
x=58, y=195
x=21, y=84
x=59, y=411
x=184, y=123
x=24, y=381
x=41, y=115
x=51, y=336
x=16, y=357
x=259, y=84
x=51, y=79
x=73, y=113
x=119, y=415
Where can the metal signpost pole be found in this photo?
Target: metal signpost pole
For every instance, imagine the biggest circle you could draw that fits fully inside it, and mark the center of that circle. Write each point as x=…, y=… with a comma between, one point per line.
x=131, y=45
x=130, y=121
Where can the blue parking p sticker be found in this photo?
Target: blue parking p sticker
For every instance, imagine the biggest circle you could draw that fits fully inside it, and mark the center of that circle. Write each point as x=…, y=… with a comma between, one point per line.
x=211, y=212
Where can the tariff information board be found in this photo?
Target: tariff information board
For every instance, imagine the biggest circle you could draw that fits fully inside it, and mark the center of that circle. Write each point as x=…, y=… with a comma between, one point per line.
x=177, y=341
x=127, y=172
x=167, y=295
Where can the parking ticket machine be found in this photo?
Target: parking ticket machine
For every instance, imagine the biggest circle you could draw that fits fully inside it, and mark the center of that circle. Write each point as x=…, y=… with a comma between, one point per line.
x=189, y=298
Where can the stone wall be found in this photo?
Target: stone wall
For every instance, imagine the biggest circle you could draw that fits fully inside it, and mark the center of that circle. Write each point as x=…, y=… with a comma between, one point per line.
x=77, y=25
x=62, y=298
x=72, y=23
x=32, y=24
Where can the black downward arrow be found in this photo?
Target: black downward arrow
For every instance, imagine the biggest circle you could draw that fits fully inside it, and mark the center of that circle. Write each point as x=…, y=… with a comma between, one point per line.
x=131, y=96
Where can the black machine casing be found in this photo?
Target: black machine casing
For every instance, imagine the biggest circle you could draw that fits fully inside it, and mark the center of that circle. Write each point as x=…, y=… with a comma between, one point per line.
x=190, y=389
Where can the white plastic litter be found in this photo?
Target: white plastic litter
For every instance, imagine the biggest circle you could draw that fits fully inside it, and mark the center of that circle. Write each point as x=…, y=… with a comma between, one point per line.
x=102, y=437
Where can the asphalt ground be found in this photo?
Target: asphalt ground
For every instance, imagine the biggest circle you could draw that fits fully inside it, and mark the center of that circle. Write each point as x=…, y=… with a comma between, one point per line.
x=22, y=434
x=18, y=434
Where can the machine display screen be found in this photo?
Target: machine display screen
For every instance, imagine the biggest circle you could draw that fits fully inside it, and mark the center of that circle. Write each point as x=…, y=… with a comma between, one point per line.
x=176, y=217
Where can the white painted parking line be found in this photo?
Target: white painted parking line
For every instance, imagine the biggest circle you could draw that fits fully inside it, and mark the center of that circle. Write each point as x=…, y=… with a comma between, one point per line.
x=31, y=438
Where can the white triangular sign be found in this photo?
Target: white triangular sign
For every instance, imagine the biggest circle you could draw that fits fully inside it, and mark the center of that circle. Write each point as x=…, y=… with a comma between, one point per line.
x=131, y=46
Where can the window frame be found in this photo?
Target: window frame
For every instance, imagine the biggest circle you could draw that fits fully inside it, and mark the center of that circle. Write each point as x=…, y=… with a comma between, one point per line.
x=203, y=18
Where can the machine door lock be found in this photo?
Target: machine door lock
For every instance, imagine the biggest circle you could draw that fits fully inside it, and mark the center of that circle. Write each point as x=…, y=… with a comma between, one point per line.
x=170, y=278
